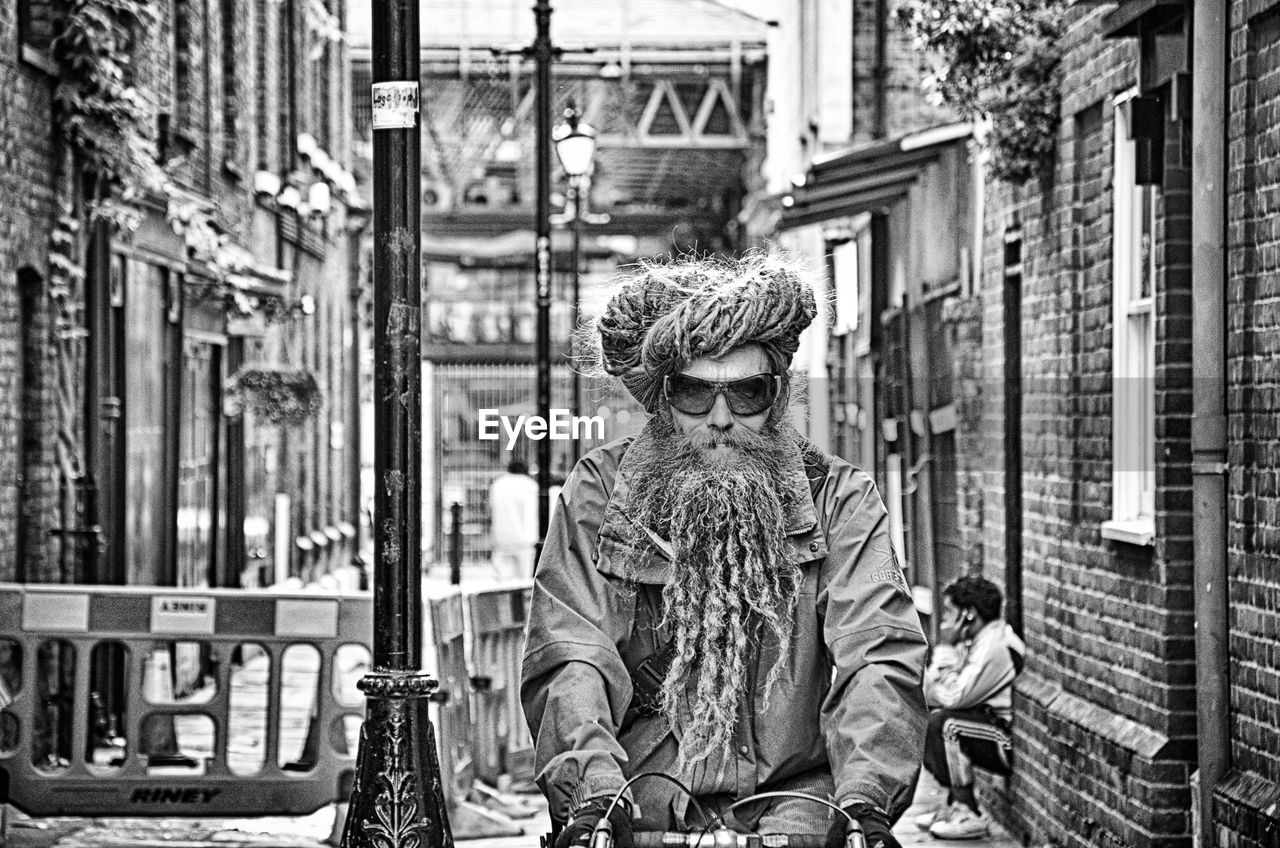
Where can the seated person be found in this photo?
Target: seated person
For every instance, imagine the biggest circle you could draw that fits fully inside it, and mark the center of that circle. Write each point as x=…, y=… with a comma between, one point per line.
x=969, y=689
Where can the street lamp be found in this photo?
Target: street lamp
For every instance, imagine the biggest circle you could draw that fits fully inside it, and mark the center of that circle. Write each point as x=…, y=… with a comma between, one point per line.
x=575, y=143
x=543, y=53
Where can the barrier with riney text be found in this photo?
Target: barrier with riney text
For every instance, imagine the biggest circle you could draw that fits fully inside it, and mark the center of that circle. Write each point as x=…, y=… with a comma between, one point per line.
x=158, y=701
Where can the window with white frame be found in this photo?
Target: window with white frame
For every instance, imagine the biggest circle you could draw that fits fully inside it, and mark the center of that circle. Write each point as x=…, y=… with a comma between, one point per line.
x=844, y=264
x=1133, y=344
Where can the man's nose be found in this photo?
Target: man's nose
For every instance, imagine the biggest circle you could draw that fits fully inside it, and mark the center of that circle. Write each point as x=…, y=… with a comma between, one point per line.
x=720, y=416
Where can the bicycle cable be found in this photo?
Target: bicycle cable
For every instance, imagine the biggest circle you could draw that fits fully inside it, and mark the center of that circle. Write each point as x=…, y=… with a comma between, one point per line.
x=617, y=796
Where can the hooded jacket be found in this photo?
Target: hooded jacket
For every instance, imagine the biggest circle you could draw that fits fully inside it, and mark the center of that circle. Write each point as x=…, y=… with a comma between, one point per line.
x=846, y=718
x=983, y=675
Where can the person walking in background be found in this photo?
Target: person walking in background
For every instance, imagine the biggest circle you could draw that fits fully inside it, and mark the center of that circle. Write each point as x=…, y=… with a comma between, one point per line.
x=969, y=689
x=513, y=516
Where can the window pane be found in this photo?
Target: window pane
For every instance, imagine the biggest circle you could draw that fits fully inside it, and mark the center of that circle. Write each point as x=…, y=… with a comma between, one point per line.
x=1144, y=259
x=36, y=23
x=197, y=464
x=146, y=333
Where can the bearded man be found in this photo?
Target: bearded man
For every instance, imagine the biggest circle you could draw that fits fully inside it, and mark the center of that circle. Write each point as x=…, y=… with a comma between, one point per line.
x=716, y=599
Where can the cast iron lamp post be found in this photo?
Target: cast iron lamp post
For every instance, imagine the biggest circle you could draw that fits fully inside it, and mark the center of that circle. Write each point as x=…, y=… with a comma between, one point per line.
x=397, y=800
x=575, y=142
x=543, y=53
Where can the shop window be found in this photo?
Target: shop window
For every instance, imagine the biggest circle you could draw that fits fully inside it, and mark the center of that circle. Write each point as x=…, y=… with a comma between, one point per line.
x=1133, y=343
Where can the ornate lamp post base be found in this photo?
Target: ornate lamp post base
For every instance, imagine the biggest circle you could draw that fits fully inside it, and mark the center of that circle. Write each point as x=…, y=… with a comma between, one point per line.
x=390, y=806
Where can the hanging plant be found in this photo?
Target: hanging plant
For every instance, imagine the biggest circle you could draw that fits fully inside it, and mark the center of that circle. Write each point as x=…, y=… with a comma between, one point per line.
x=998, y=60
x=275, y=395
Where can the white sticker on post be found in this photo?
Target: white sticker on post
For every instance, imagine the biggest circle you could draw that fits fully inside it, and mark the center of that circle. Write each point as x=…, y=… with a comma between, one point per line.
x=395, y=105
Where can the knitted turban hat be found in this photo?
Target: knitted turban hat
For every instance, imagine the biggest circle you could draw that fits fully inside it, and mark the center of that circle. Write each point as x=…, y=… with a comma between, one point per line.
x=667, y=314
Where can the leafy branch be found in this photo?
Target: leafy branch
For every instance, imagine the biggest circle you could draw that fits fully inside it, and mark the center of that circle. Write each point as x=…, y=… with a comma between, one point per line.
x=111, y=126
x=999, y=60
x=100, y=115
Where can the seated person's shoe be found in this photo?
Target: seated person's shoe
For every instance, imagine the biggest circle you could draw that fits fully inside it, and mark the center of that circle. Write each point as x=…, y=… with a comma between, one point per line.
x=924, y=821
x=963, y=823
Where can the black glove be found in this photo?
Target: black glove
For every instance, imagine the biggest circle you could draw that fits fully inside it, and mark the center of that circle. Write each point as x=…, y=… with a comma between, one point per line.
x=875, y=825
x=582, y=821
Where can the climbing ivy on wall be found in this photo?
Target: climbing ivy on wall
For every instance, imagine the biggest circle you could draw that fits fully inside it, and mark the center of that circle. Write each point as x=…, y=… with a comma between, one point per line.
x=111, y=126
x=997, y=60
x=100, y=115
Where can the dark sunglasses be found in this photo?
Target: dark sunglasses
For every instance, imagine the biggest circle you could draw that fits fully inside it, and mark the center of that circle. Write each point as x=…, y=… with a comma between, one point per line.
x=748, y=396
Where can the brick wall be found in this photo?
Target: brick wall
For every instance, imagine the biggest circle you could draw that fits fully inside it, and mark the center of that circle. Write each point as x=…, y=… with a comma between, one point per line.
x=905, y=111
x=26, y=207
x=1245, y=808
x=1105, y=709
x=963, y=321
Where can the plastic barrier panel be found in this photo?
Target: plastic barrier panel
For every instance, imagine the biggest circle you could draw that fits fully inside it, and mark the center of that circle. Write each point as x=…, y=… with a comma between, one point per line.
x=148, y=701
x=452, y=717
x=502, y=741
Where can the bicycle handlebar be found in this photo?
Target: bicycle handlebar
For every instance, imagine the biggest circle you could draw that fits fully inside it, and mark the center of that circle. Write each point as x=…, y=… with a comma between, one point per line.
x=727, y=839
x=722, y=840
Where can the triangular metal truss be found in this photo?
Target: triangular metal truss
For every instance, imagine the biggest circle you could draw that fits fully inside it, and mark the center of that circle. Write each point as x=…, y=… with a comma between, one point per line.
x=478, y=128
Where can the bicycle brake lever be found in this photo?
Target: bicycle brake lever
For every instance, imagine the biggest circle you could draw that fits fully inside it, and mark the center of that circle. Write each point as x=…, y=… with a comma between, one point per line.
x=603, y=835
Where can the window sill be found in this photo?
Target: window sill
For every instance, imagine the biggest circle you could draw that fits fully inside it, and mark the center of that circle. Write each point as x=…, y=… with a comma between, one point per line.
x=39, y=59
x=1135, y=531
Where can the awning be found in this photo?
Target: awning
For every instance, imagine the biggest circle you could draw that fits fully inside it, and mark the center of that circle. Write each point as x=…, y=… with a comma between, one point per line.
x=866, y=178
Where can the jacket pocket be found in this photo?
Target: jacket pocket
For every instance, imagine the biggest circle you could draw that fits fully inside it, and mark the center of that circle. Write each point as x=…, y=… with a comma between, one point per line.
x=624, y=552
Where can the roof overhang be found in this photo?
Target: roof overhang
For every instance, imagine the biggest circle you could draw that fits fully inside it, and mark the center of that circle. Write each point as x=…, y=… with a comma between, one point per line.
x=867, y=178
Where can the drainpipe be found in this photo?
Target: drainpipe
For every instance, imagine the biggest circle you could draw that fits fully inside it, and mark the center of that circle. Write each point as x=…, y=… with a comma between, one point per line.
x=357, y=225
x=1208, y=384
x=86, y=538
x=882, y=67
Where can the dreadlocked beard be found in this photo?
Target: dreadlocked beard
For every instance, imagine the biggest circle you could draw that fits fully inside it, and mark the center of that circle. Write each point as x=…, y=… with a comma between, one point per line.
x=732, y=582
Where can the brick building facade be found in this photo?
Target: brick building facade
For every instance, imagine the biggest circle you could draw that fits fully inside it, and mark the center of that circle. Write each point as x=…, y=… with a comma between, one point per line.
x=1105, y=726
x=1113, y=413
x=1245, y=813
x=27, y=170
x=125, y=456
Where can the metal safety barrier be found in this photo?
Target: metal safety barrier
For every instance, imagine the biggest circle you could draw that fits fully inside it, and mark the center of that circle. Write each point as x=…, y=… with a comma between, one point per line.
x=503, y=745
x=147, y=701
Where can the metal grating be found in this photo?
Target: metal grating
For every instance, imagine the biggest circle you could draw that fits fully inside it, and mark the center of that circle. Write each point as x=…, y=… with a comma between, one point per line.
x=466, y=466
